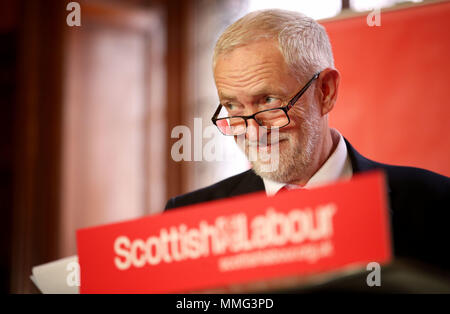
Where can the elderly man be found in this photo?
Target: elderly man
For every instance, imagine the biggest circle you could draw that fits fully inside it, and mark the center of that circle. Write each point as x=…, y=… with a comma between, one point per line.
x=274, y=71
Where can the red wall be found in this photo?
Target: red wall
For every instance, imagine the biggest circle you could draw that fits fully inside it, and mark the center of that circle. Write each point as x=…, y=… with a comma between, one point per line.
x=393, y=103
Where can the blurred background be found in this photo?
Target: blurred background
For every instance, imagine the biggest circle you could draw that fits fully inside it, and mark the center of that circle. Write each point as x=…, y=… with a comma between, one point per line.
x=87, y=111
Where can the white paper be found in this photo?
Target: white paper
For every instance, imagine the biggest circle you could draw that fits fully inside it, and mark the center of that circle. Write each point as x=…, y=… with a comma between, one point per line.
x=61, y=276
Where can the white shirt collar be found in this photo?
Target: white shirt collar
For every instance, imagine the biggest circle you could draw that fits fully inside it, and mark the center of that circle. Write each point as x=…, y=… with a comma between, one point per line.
x=337, y=166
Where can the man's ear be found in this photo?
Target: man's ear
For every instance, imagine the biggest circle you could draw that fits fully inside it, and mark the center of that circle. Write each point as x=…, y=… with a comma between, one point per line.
x=327, y=88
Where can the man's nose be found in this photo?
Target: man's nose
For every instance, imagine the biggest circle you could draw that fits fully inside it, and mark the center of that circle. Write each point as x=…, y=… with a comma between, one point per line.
x=253, y=130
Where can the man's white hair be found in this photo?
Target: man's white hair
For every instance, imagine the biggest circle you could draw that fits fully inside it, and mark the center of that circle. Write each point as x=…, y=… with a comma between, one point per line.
x=302, y=41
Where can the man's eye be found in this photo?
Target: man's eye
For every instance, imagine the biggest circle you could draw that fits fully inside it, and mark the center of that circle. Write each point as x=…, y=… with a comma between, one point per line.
x=229, y=106
x=271, y=100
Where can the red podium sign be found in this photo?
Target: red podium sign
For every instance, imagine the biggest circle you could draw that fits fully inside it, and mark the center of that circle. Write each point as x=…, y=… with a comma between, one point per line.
x=241, y=240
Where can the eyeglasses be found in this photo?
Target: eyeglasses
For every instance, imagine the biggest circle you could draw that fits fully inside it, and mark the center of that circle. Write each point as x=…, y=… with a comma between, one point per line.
x=274, y=118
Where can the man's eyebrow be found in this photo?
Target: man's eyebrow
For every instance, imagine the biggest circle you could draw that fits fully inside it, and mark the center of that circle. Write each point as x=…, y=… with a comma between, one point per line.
x=266, y=91
x=224, y=96
x=255, y=93
x=277, y=90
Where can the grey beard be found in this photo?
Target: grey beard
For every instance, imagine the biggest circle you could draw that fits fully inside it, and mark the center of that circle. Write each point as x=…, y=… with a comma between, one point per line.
x=294, y=162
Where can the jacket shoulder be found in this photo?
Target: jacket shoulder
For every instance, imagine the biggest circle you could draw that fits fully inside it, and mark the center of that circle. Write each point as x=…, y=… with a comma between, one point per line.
x=402, y=178
x=228, y=187
x=417, y=181
x=420, y=201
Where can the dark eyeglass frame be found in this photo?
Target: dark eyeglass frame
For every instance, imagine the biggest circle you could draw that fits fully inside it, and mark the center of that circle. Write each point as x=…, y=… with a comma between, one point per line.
x=286, y=108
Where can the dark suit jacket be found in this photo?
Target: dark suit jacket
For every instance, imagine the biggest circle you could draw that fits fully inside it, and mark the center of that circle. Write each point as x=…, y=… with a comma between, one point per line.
x=419, y=206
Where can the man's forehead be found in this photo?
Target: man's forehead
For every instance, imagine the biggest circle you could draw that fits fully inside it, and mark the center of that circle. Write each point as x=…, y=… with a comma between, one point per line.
x=253, y=70
x=261, y=51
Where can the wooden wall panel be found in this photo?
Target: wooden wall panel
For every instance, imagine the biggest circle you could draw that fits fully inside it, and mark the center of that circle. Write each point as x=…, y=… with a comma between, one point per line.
x=111, y=154
x=37, y=140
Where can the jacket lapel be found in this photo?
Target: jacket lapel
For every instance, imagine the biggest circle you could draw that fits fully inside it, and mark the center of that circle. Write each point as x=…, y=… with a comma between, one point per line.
x=361, y=164
x=250, y=183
